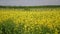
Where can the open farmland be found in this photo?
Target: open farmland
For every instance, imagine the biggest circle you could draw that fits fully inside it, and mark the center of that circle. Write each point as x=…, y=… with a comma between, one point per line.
x=30, y=21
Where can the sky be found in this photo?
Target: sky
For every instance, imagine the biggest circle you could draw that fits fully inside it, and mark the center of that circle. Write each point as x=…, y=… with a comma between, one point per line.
x=29, y=2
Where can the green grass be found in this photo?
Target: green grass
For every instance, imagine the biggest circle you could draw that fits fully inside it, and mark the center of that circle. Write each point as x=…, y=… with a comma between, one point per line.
x=7, y=27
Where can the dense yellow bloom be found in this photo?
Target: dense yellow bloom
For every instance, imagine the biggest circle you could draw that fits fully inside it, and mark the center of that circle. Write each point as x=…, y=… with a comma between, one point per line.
x=48, y=18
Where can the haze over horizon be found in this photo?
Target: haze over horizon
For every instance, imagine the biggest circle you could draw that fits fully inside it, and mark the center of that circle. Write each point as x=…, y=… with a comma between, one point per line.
x=28, y=2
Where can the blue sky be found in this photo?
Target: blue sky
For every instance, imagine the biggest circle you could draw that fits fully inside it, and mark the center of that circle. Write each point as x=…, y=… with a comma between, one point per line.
x=29, y=2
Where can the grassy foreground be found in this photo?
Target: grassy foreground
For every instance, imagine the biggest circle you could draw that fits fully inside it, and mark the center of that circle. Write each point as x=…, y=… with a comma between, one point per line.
x=34, y=21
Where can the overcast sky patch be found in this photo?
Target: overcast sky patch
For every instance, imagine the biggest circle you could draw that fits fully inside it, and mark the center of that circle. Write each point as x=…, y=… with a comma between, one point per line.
x=29, y=2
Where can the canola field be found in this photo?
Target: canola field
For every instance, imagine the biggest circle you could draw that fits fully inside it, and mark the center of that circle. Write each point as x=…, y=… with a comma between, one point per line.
x=33, y=21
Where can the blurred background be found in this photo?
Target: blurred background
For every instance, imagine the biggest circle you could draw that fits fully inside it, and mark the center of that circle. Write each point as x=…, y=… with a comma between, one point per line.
x=28, y=2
